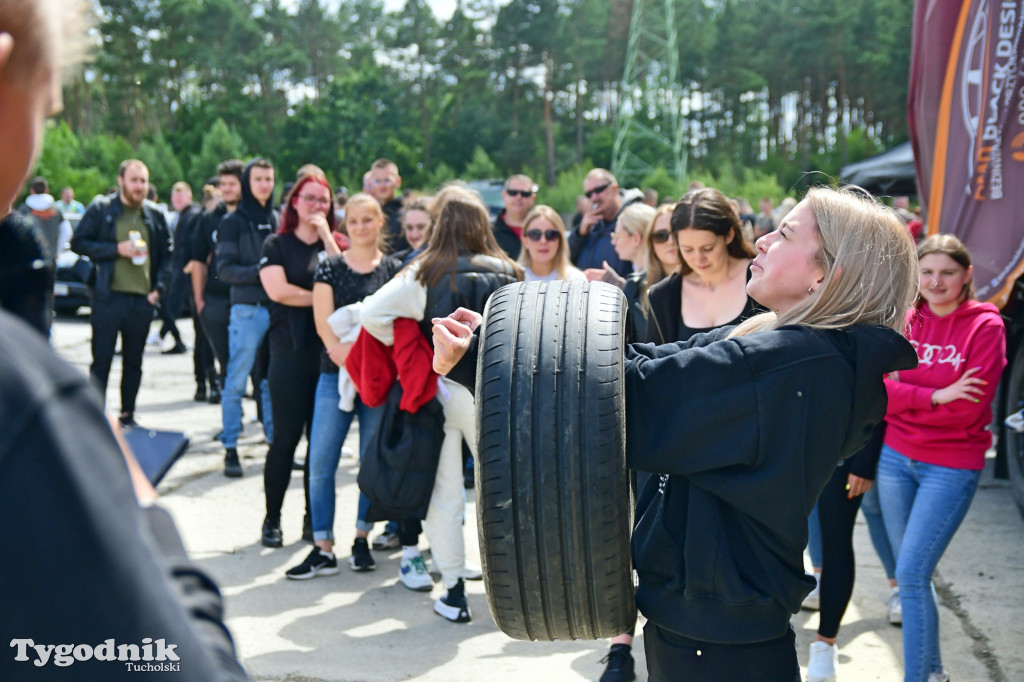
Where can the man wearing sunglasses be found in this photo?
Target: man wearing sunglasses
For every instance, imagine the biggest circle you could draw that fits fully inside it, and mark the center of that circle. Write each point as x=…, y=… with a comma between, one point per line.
x=519, y=195
x=590, y=244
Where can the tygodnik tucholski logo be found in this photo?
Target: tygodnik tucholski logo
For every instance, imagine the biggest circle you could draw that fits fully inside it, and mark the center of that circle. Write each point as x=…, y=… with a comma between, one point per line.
x=150, y=656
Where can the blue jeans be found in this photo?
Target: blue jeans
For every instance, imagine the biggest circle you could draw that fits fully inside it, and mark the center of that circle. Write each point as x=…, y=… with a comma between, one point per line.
x=814, y=537
x=248, y=326
x=871, y=506
x=330, y=426
x=923, y=505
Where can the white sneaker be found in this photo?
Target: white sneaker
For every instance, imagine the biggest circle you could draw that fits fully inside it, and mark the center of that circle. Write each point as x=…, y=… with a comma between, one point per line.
x=812, y=602
x=938, y=677
x=821, y=667
x=414, y=575
x=895, y=607
x=1015, y=421
x=154, y=339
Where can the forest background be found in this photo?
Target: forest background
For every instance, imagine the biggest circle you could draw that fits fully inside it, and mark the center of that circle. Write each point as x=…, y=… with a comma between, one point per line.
x=775, y=93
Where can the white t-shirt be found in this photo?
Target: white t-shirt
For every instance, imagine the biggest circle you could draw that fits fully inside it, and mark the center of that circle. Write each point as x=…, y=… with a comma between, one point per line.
x=573, y=275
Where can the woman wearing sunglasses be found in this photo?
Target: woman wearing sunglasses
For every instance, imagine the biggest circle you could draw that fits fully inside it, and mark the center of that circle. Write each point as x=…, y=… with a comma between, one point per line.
x=545, y=254
x=709, y=289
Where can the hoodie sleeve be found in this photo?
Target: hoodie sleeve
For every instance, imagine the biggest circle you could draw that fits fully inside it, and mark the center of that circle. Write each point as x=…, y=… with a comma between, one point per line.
x=717, y=419
x=987, y=350
x=229, y=269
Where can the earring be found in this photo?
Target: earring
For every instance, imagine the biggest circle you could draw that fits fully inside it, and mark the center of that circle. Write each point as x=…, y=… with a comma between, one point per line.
x=810, y=290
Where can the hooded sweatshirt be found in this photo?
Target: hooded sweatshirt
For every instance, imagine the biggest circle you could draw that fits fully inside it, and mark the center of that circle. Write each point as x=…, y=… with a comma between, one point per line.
x=952, y=435
x=240, y=238
x=56, y=231
x=744, y=433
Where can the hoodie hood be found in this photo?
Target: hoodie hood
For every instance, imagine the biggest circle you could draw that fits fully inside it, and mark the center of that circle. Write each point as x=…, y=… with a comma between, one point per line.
x=249, y=206
x=874, y=351
x=39, y=202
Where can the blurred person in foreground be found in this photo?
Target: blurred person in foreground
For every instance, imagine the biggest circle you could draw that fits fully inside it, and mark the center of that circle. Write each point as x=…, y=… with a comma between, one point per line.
x=63, y=480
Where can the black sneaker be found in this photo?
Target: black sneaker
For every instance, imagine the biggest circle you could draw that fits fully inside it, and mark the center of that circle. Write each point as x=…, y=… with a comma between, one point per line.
x=200, y=396
x=454, y=606
x=214, y=397
x=127, y=420
x=272, y=536
x=317, y=563
x=361, y=559
x=177, y=349
x=232, y=466
x=620, y=664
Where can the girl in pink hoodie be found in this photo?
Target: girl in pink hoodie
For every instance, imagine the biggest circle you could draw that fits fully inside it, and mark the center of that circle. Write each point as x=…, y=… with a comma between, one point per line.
x=936, y=436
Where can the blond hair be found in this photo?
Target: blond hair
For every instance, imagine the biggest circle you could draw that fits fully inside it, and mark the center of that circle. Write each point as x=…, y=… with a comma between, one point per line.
x=47, y=35
x=636, y=219
x=869, y=261
x=562, y=265
x=358, y=199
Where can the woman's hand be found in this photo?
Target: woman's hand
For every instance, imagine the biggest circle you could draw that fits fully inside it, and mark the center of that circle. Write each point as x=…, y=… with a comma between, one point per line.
x=452, y=336
x=338, y=353
x=967, y=387
x=855, y=485
x=323, y=229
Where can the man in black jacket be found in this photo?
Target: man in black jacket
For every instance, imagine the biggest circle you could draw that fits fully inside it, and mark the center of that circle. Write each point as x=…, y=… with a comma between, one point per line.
x=129, y=244
x=383, y=183
x=519, y=195
x=210, y=295
x=239, y=249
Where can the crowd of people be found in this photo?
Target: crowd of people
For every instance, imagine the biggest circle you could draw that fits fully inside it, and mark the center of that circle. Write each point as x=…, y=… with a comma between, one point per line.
x=339, y=307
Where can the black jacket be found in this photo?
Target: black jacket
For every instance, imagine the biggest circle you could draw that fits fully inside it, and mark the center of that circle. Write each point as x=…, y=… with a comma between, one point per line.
x=393, y=213
x=476, y=278
x=747, y=432
x=64, y=483
x=506, y=238
x=204, y=250
x=96, y=237
x=184, y=235
x=240, y=238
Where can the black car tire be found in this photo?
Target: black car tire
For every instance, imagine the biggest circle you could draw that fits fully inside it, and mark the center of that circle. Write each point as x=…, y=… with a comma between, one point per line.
x=1014, y=440
x=554, y=507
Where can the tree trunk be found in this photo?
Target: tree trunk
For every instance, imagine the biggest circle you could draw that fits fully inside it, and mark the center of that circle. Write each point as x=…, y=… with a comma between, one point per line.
x=549, y=131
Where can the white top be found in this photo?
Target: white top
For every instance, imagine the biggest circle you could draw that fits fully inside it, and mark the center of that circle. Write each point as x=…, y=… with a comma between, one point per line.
x=574, y=274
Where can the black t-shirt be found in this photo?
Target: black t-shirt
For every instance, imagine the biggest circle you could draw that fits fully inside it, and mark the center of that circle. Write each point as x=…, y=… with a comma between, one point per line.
x=204, y=246
x=291, y=327
x=351, y=287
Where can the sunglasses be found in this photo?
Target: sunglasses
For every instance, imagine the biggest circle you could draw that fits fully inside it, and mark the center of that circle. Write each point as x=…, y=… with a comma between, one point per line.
x=537, y=235
x=660, y=236
x=597, y=190
x=524, y=193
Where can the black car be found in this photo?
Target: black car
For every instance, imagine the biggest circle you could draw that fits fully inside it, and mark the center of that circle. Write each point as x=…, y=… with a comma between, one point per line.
x=70, y=292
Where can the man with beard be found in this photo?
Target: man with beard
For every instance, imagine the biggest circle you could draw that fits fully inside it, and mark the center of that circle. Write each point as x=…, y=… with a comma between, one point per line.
x=130, y=246
x=211, y=295
x=239, y=249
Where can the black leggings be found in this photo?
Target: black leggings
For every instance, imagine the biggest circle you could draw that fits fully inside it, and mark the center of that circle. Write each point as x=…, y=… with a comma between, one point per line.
x=293, y=376
x=673, y=657
x=836, y=513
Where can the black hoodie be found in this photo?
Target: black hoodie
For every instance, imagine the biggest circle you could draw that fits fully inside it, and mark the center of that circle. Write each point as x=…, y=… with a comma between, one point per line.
x=746, y=432
x=240, y=239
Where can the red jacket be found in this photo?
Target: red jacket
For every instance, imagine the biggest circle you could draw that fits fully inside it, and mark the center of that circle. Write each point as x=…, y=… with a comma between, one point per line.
x=952, y=435
x=374, y=367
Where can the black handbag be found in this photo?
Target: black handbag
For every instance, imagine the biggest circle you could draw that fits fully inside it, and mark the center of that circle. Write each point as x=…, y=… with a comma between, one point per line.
x=400, y=462
x=84, y=271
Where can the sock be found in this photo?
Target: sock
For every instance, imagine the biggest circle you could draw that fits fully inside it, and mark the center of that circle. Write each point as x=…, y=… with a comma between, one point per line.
x=622, y=647
x=410, y=551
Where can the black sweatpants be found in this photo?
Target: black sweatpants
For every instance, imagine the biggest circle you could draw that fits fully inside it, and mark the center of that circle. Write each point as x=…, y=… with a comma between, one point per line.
x=215, y=317
x=836, y=515
x=293, y=376
x=672, y=657
x=130, y=316
x=202, y=354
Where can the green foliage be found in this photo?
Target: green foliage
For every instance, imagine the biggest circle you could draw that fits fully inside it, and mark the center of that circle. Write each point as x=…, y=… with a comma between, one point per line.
x=481, y=166
x=441, y=174
x=661, y=180
x=220, y=143
x=535, y=84
x=568, y=186
x=164, y=168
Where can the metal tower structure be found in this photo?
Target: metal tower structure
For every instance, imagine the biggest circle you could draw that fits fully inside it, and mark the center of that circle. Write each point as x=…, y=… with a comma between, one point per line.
x=649, y=118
